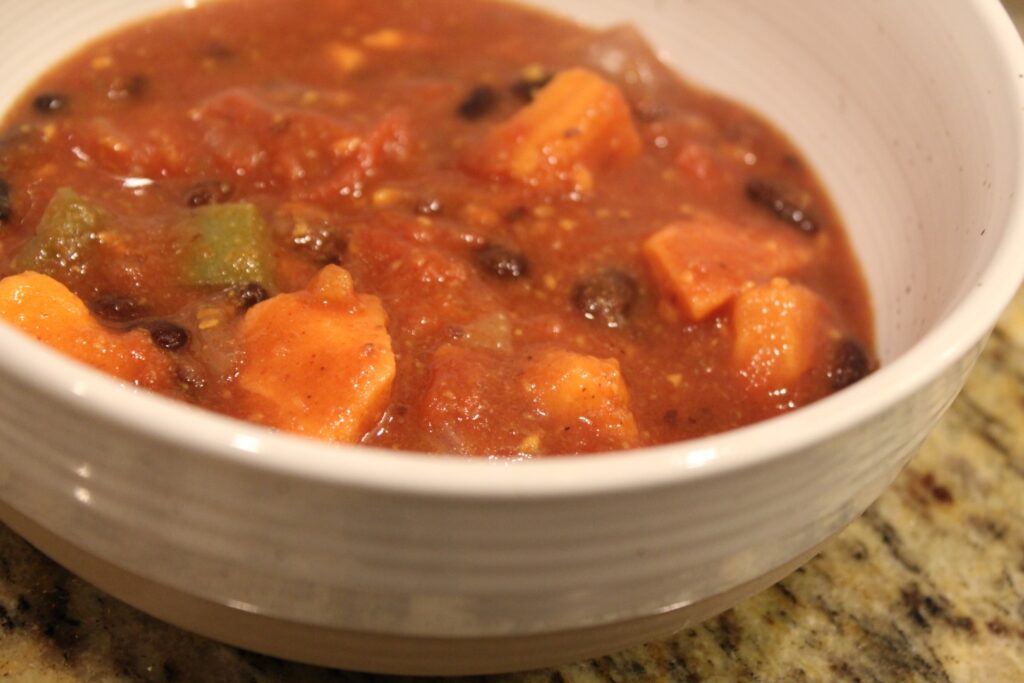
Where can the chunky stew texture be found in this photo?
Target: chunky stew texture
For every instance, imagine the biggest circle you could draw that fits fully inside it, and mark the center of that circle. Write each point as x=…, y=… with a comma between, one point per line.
x=434, y=225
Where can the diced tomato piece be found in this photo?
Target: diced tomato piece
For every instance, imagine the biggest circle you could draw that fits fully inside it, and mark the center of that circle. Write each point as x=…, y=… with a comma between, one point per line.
x=388, y=141
x=429, y=287
x=461, y=404
x=156, y=146
x=234, y=125
x=575, y=124
x=315, y=153
x=318, y=361
x=703, y=264
x=47, y=310
x=403, y=262
x=583, y=400
x=251, y=136
x=781, y=329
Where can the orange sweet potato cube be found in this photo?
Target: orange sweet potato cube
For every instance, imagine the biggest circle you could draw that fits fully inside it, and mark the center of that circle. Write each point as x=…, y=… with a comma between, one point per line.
x=704, y=263
x=780, y=329
x=582, y=393
x=576, y=124
x=47, y=310
x=318, y=361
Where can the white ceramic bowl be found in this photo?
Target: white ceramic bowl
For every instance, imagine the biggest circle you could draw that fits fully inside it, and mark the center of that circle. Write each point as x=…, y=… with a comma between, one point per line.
x=910, y=110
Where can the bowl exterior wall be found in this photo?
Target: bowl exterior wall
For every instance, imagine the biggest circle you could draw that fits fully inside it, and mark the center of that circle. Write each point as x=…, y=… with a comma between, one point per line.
x=302, y=550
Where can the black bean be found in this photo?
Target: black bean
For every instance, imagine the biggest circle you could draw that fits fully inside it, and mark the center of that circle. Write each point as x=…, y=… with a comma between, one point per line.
x=849, y=363
x=131, y=87
x=502, y=262
x=208, y=192
x=117, y=309
x=322, y=244
x=606, y=297
x=168, y=335
x=251, y=294
x=787, y=211
x=526, y=88
x=50, y=102
x=191, y=377
x=5, y=201
x=480, y=102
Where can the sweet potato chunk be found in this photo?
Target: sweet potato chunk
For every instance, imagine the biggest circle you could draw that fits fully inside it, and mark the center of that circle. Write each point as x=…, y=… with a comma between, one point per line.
x=47, y=310
x=318, y=361
x=584, y=397
x=780, y=331
x=576, y=124
x=703, y=264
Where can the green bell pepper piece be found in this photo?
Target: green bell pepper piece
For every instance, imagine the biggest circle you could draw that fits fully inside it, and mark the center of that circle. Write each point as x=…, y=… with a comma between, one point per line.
x=230, y=247
x=69, y=228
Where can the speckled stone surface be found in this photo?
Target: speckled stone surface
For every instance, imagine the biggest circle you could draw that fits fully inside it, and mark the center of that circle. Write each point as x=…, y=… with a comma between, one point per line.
x=927, y=586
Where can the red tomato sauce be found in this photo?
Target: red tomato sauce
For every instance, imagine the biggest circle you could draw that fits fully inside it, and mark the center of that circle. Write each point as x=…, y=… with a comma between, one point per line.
x=440, y=225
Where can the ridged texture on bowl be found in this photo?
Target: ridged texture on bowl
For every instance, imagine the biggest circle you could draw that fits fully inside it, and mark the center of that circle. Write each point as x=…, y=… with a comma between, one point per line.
x=425, y=565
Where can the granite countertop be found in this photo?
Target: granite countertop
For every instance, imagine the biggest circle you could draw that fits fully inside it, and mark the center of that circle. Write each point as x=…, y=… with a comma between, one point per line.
x=927, y=586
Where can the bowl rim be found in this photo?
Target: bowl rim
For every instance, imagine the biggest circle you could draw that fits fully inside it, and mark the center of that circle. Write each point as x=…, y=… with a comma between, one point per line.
x=248, y=445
